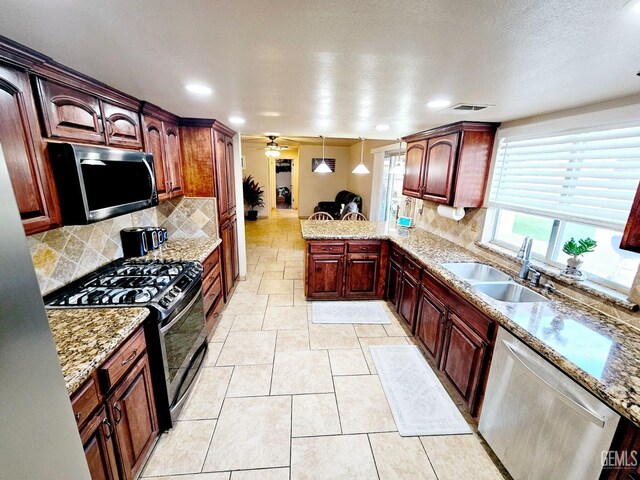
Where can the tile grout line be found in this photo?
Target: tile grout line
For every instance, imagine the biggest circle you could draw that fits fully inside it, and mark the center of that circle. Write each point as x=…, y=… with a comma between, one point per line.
x=373, y=456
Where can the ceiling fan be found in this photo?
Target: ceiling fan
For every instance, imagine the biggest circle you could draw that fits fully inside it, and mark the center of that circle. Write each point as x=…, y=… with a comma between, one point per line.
x=273, y=149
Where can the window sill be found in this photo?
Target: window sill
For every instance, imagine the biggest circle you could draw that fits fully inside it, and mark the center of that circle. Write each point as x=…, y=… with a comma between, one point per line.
x=595, y=289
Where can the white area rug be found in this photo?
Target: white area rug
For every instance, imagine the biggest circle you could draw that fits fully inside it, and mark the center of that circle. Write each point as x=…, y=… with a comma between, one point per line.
x=418, y=401
x=349, y=312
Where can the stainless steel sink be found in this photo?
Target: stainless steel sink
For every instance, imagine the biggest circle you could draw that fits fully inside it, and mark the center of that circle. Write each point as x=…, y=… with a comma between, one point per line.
x=510, y=292
x=476, y=272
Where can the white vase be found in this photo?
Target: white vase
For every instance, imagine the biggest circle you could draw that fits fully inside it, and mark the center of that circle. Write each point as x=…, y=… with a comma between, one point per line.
x=573, y=265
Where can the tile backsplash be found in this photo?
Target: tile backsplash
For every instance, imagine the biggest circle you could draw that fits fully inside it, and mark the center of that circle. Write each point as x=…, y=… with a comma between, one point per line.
x=62, y=255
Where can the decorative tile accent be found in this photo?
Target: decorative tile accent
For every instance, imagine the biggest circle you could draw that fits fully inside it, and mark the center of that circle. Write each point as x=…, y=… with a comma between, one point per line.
x=62, y=255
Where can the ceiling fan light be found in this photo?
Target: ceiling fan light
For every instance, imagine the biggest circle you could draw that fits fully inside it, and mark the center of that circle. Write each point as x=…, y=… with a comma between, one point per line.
x=272, y=153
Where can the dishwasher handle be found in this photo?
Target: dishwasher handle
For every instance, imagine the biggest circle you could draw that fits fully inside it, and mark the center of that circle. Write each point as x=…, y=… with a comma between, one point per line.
x=579, y=408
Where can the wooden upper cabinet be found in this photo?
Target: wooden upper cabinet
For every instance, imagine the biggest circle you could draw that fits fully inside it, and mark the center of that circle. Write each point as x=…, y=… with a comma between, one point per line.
x=69, y=114
x=25, y=154
x=122, y=126
x=231, y=178
x=173, y=159
x=222, y=190
x=631, y=236
x=412, y=184
x=154, y=143
x=453, y=167
x=439, y=168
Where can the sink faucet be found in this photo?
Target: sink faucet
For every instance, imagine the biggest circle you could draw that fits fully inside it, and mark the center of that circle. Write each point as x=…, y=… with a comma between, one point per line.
x=524, y=257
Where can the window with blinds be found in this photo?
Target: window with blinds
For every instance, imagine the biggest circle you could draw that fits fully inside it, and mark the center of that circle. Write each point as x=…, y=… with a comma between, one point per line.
x=585, y=176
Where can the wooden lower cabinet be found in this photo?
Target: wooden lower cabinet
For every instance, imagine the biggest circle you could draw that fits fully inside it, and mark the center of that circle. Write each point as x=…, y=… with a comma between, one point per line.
x=430, y=323
x=463, y=359
x=324, y=276
x=212, y=291
x=118, y=433
x=394, y=276
x=408, y=302
x=97, y=440
x=132, y=408
x=337, y=269
x=362, y=275
x=230, y=269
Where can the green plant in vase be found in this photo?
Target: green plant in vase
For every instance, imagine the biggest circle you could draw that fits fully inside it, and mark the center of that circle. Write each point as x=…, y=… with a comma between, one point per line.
x=576, y=250
x=253, y=196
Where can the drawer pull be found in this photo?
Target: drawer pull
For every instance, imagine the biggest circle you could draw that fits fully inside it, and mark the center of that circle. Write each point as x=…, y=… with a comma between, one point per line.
x=117, y=410
x=109, y=432
x=131, y=357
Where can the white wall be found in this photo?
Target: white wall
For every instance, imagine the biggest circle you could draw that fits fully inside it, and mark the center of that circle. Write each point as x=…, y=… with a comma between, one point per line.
x=317, y=187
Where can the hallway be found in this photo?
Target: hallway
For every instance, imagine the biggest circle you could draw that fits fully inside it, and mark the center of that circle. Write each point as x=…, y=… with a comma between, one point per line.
x=282, y=398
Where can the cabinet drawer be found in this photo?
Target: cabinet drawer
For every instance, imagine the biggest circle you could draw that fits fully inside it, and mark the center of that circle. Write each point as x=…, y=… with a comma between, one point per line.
x=211, y=261
x=397, y=256
x=85, y=400
x=412, y=268
x=326, y=247
x=122, y=360
x=213, y=293
x=363, y=247
x=209, y=278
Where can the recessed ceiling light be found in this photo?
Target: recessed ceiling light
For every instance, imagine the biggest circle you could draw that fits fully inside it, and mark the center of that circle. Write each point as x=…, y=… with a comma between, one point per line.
x=438, y=103
x=199, y=89
x=636, y=8
x=236, y=120
x=382, y=127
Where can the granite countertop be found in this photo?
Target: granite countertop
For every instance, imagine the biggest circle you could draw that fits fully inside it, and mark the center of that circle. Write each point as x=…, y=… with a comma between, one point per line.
x=185, y=249
x=598, y=351
x=85, y=337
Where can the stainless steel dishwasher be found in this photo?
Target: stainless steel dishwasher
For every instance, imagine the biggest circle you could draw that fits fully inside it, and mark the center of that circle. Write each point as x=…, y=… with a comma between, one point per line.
x=539, y=422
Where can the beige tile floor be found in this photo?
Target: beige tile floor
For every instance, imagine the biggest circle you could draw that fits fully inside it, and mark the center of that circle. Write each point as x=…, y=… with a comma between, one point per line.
x=280, y=398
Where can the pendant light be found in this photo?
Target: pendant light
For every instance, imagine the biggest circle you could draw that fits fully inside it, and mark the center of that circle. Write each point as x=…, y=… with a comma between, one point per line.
x=361, y=168
x=398, y=169
x=322, y=166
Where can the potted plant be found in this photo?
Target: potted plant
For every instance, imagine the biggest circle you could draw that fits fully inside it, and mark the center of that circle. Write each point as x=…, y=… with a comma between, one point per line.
x=253, y=196
x=576, y=250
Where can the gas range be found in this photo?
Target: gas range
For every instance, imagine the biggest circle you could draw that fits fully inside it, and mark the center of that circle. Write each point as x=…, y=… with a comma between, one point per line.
x=125, y=283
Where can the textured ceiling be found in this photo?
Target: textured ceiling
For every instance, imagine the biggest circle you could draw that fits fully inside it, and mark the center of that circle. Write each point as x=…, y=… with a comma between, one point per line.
x=338, y=68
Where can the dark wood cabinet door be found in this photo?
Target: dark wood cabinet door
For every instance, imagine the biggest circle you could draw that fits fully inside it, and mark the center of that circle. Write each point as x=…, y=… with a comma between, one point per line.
x=430, y=322
x=222, y=191
x=463, y=356
x=97, y=440
x=362, y=276
x=437, y=184
x=394, y=277
x=154, y=143
x=69, y=114
x=122, y=126
x=407, y=305
x=231, y=179
x=173, y=159
x=324, y=276
x=24, y=153
x=412, y=184
x=229, y=237
x=631, y=236
x=133, y=413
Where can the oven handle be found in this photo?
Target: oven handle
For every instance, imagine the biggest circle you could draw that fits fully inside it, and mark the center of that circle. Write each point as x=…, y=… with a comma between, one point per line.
x=196, y=354
x=185, y=310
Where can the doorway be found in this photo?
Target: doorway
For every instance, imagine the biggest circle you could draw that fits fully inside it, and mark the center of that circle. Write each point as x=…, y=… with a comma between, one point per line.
x=284, y=184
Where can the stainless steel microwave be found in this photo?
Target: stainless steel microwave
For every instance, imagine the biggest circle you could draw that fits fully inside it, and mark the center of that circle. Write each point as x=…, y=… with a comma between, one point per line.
x=95, y=183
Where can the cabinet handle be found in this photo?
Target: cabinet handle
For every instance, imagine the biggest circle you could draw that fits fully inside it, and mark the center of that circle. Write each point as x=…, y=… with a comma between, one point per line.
x=131, y=357
x=105, y=423
x=109, y=127
x=117, y=410
x=78, y=415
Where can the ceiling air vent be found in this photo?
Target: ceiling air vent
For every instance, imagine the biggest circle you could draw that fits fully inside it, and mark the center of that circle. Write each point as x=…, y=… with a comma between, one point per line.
x=462, y=108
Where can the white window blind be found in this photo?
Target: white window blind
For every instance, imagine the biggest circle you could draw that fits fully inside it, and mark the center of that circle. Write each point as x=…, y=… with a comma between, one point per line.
x=587, y=176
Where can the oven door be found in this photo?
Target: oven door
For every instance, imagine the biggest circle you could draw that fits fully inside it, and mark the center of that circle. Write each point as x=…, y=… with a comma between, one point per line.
x=183, y=341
